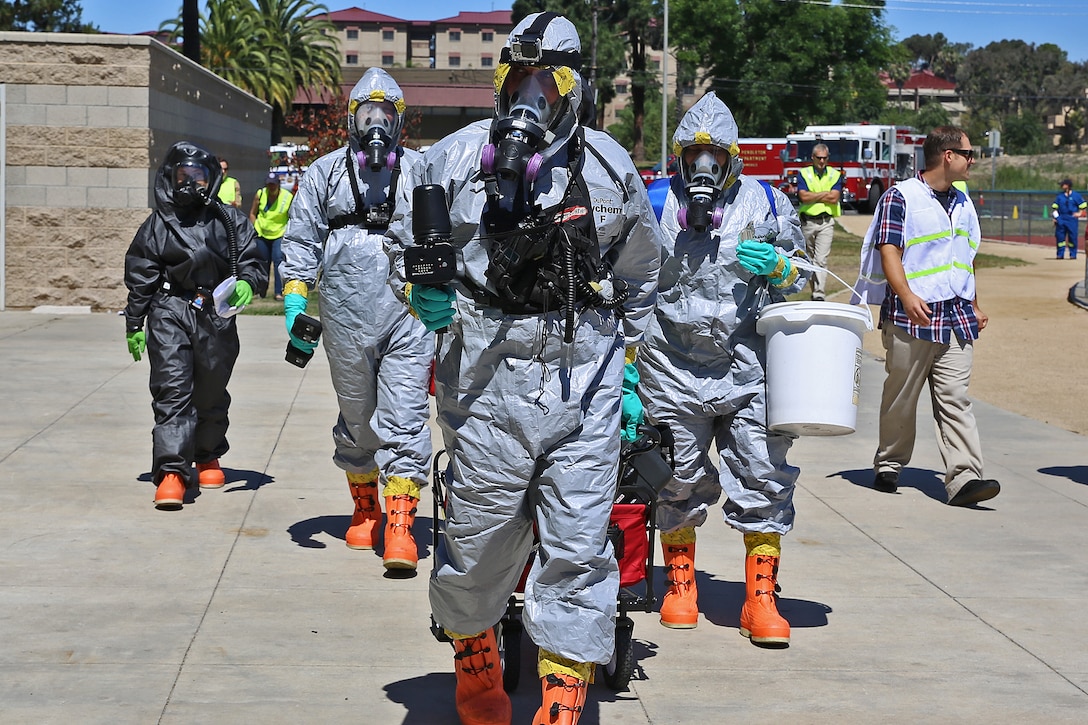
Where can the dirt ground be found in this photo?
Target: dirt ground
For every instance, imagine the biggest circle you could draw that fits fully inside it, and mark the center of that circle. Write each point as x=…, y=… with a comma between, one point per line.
x=1028, y=358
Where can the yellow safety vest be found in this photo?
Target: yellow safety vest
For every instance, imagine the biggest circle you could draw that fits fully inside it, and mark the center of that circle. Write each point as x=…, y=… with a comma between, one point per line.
x=817, y=184
x=226, y=189
x=272, y=223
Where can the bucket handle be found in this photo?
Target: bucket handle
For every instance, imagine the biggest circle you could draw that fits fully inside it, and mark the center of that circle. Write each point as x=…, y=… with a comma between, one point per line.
x=813, y=267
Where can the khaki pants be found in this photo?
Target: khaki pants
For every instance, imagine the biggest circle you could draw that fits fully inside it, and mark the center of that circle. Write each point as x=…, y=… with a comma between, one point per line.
x=910, y=363
x=818, y=236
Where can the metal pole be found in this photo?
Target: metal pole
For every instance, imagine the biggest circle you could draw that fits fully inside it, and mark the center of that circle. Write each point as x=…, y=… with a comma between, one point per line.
x=3, y=196
x=665, y=97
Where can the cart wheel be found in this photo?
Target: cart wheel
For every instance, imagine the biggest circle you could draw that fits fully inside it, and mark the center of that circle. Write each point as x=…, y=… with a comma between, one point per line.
x=509, y=641
x=618, y=671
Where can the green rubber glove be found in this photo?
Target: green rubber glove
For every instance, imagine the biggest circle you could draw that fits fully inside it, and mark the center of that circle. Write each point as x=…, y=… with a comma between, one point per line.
x=242, y=294
x=632, y=413
x=433, y=305
x=137, y=343
x=294, y=304
x=757, y=257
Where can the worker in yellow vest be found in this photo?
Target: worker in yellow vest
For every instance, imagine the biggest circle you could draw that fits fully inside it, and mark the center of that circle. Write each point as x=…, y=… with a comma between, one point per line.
x=230, y=191
x=269, y=217
x=819, y=190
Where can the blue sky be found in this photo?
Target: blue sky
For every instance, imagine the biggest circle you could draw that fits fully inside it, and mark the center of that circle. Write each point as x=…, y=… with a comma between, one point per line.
x=978, y=22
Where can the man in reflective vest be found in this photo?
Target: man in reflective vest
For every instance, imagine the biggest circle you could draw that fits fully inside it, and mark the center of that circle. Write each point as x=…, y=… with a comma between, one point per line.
x=919, y=256
x=819, y=190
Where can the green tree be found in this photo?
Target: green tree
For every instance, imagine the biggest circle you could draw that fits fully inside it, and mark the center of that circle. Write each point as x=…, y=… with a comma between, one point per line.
x=271, y=49
x=1009, y=77
x=936, y=53
x=1024, y=135
x=784, y=65
x=44, y=16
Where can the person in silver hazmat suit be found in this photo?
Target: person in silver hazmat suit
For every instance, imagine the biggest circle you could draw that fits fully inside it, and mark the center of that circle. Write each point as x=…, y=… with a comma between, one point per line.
x=557, y=256
x=728, y=242
x=188, y=247
x=379, y=354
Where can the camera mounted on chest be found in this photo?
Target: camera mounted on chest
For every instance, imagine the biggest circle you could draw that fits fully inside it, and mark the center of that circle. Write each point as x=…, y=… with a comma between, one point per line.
x=372, y=216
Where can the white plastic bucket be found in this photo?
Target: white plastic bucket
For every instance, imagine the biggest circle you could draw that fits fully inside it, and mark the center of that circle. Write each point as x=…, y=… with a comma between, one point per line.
x=813, y=366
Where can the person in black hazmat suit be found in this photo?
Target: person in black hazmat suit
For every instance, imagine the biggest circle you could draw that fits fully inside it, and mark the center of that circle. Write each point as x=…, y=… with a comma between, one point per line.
x=190, y=245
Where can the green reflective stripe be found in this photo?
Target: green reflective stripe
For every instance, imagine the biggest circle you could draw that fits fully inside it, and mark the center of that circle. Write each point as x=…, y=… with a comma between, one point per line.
x=926, y=238
x=939, y=235
x=942, y=268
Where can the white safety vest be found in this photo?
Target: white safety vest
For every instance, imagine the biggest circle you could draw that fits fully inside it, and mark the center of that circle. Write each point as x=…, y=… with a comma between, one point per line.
x=938, y=253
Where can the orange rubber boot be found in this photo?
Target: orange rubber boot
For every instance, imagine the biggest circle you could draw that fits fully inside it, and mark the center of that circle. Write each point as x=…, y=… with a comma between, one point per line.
x=480, y=697
x=759, y=617
x=170, y=494
x=564, y=696
x=680, y=606
x=400, y=548
x=210, y=475
x=367, y=518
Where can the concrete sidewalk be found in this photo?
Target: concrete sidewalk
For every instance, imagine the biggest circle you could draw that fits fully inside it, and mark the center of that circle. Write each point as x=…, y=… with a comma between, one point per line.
x=247, y=607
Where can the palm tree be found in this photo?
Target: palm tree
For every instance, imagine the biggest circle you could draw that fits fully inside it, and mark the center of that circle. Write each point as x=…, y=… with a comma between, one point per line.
x=270, y=49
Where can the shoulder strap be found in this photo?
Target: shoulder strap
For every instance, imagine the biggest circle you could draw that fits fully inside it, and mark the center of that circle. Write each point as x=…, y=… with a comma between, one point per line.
x=770, y=196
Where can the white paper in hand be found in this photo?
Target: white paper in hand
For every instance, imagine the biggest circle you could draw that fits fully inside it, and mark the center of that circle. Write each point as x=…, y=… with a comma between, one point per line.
x=221, y=295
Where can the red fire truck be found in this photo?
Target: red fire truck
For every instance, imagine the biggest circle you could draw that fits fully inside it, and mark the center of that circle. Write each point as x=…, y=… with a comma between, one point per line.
x=763, y=158
x=870, y=156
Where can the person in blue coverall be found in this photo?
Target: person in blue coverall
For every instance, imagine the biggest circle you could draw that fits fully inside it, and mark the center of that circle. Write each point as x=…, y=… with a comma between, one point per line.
x=1068, y=206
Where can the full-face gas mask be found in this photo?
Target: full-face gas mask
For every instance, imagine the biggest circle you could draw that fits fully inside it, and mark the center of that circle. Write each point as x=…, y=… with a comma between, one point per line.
x=191, y=181
x=536, y=93
x=706, y=170
x=529, y=102
x=377, y=123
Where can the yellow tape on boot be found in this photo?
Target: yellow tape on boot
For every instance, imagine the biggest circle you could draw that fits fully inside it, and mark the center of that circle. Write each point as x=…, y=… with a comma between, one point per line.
x=455, y=635
x=769, y=544
x=401, y=486
x=363, y=478
x=549, y=663
x=680, y=536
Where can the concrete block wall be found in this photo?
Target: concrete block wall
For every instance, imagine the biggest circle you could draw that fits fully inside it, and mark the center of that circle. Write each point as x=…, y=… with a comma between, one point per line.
x=88, y=120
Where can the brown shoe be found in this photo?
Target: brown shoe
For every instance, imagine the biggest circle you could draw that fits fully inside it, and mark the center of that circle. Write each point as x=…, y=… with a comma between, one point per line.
x=170, y=494
x=975, y=491
x=210, y=475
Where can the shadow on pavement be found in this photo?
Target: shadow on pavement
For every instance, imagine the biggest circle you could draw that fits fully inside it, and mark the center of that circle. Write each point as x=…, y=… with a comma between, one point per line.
x=928, y=482
x=1076, y=474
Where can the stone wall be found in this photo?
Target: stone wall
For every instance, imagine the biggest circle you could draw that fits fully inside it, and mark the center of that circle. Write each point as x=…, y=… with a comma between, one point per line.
x=88, y=120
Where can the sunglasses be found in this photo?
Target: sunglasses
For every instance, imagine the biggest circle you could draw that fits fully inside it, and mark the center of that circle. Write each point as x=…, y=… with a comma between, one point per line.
x=965, y=153
x=820, y=158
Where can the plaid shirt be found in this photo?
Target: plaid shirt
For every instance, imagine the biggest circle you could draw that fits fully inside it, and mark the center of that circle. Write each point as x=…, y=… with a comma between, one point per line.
x=947, y=316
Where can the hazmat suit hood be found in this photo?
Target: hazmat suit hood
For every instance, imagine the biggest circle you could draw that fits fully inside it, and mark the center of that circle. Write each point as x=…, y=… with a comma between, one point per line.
x=709, y=121
x=173, y=201
x=365, y=130
x=542, y=113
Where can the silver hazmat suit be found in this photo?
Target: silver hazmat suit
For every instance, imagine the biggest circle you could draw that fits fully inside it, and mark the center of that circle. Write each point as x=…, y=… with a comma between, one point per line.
x=530, y=424
x=379, y=355
x=703, y=365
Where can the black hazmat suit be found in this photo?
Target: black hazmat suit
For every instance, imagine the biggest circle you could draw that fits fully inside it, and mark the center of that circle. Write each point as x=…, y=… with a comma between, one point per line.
x=183, y=250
